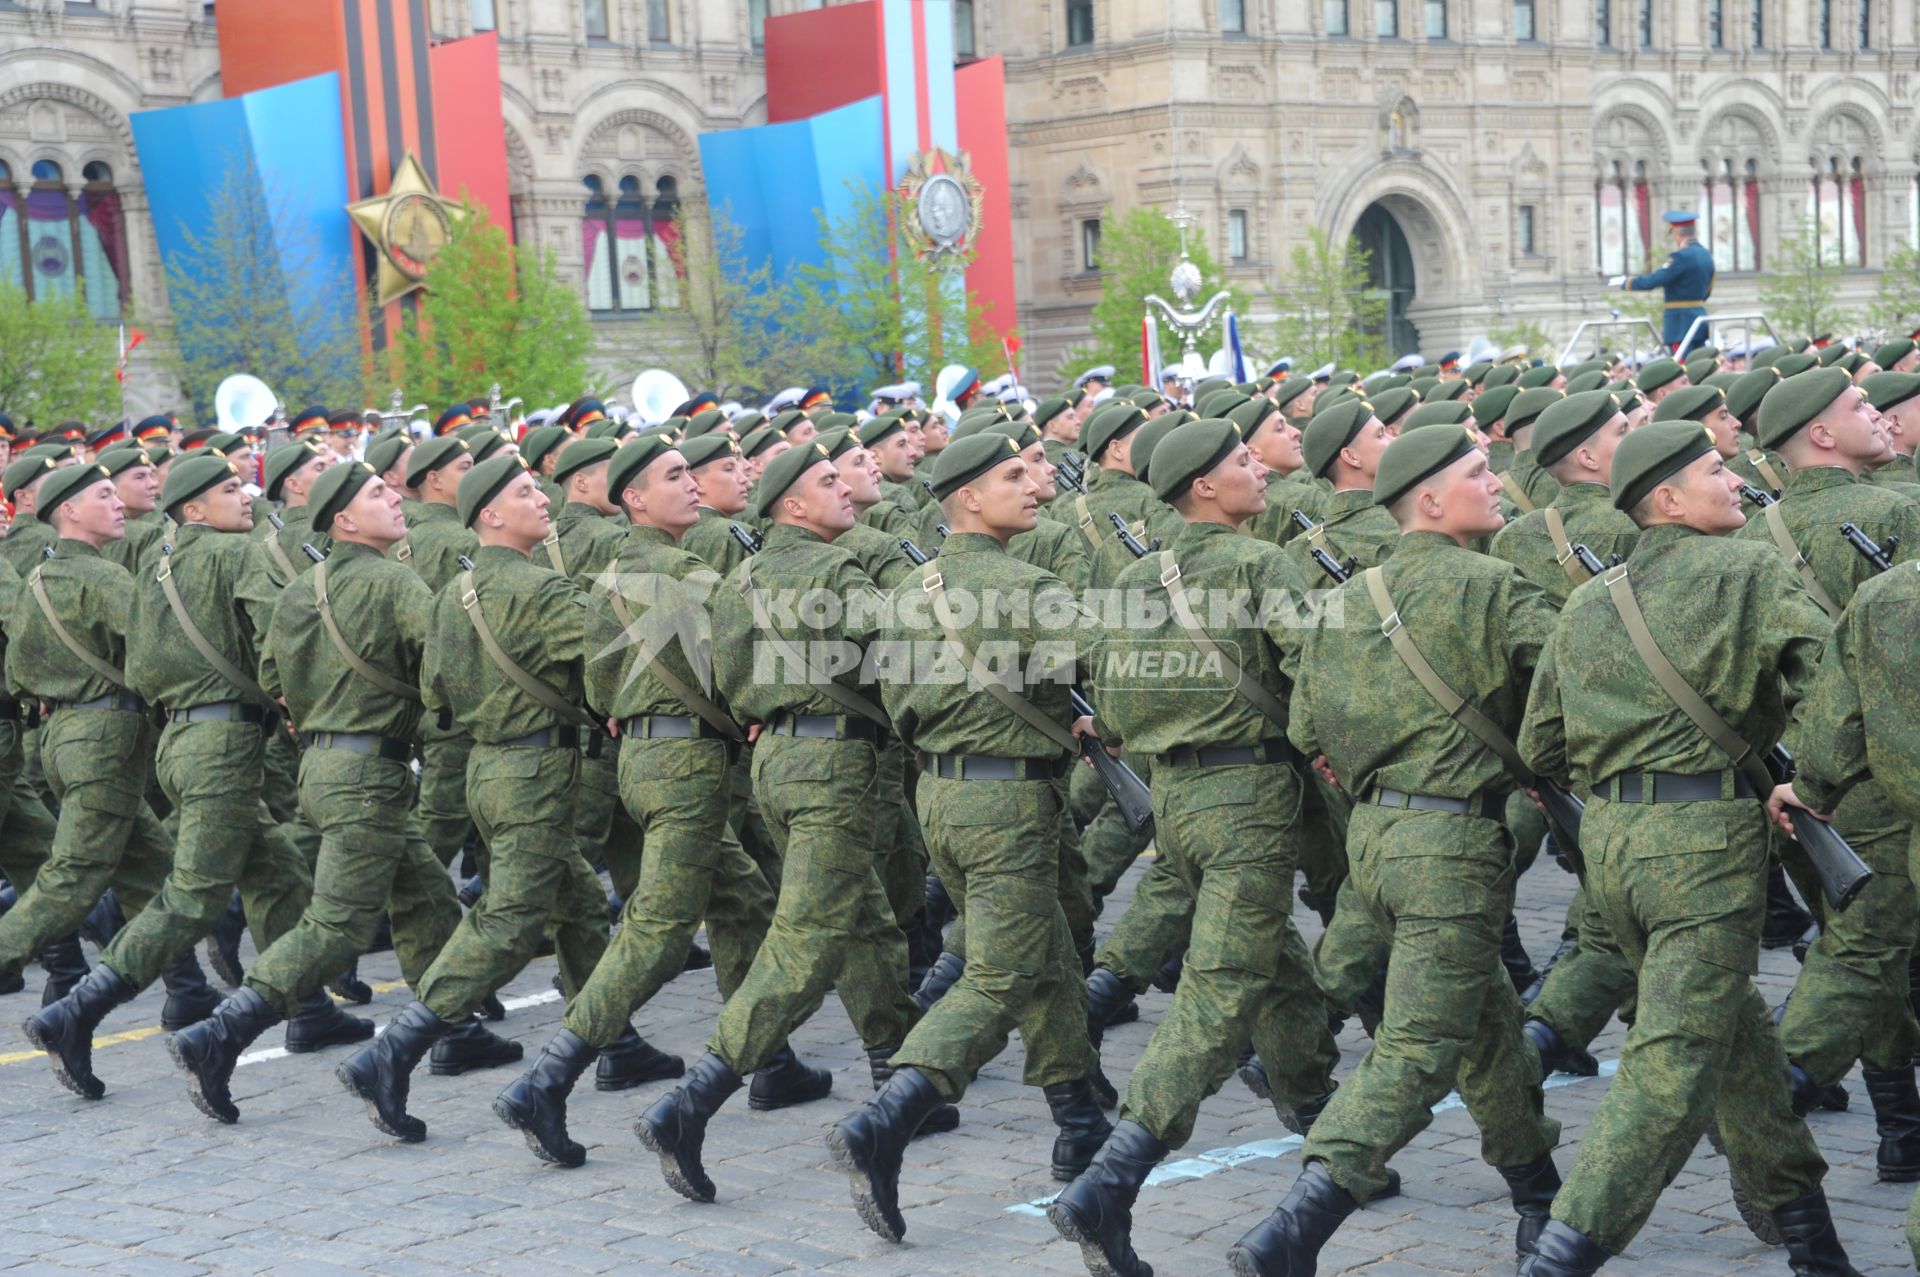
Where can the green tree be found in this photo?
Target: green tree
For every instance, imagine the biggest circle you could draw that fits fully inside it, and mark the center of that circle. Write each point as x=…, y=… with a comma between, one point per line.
x=56, y=361
x=1326, y=309
x=1138, y=251
x=1531, y=333
x=493, y=312
x=1801, y=293
x=730, y=308
x=1896, y=310
x=232, y=291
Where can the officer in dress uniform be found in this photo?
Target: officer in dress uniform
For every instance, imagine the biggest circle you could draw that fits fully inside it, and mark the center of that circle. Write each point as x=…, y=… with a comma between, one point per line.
x=1686, y=279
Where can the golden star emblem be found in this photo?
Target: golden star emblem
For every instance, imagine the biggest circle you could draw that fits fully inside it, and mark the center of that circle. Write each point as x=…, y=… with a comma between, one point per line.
x=409, y=224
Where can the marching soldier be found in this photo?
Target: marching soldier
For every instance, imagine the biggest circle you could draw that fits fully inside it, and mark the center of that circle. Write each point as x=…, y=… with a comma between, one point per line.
x=1574, y=441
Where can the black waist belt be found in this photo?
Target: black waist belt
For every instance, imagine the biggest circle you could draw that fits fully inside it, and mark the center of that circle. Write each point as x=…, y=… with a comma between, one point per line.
x=219, y=712
x=1267, y=751
x=1489, y=806
x=359, y=743
x=126, y=701
x=983, y=767
x=825, y=727
x=549, y=738
x=669, y=727
x=1671, y=787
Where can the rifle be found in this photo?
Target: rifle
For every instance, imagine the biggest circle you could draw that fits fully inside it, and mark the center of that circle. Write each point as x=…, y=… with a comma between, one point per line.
x=746, y=537
x=466, y=564
x=1341, y=573
x=928, y=485
x=1841, y=872
x=1591, y=562
x=307, y=549
x=1127, y=538
x=1072, y=478
x=943, y=530
x=1130, y=793
x=1758, y=496
x=1881, y=556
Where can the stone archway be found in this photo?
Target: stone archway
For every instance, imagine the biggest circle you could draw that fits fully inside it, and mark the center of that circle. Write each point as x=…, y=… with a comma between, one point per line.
x=1390, y=270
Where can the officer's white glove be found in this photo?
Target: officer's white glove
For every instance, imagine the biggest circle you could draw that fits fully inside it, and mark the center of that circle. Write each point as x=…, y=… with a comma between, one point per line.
x=1617, y=281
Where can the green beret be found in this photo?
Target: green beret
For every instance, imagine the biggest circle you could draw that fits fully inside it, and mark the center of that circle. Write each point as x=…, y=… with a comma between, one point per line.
x=1566, y=425
x=1146, y=398
x=1476, y=373
x=1427, y=370
x=580, y=455
x=840, y=420
x=1376, y=386
x=24, y=470
x=1793, y=364
x=1796, y=401
x=1528, y=405
x=1206, y=386
x=1022, y=433
x=1631, y=400
x=191, y=476
x=746, y=421
x=608, y=428
x=1049, y=408
x=1852, y=362
x=1689, y=403
x=1832, y=354
x=1109, y=422
x=1586, y=366
x=1723, y=379
x=703, y=422
x=1708, y=349
x=1699, y=369
x=119, y=460
x=1331, y=431
x=1492, y=405
x=1218, y=403
x=335, y=490
x=383, y=452
x=968, y=459
x=534, y=445
x=1892, y=353
x=1447, y=390
x=1450, y=412
x=633, y=456
x=67, y=483
x=969, y=426
x=484, y=482
x=710, y=446
x=1500, y=375
x=1889, y=389
x=55, y=452
x=1191, y=451
x=1250, y=414
x=1331, y=399
x=1421, y=385
x=759, y=439
x=1146, y=441
x=1653, y=454
x=1657, y=374
x=838, y=441
x=433, y=454
x=878, y=428
x=225, y=441
x=782, y=472
x=283, y=461
x=1292, y=388
x=1768, y=357
x=1745, y=394
x=482, y=440
x=1418, y=455
x=1535, y=377
x=1393, y=405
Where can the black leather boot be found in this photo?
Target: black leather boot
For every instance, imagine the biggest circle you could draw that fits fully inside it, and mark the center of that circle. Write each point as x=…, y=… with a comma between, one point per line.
x=319, y=1024
x=66, y=965
x=103, y=921
x=223, y=943
x=1105, y=996
x=65, y=1029
x=869, y=1142
x=941, y=976
x=208, y=1051
x=1254, y=1074
x=12, y=982
x=1167, y=978
x=699, y=958
x=1083, y=1127
x=1513, y=956
x=1556, y=1054
x=1299, y=1118
x=535, y=1103
x=1562, y=1250
x=1287, y=1242
x=470, y=891
x=350, y=986
x=379, y=1072
x=189, y=998
x=1808, y=1095
x=1785, y=921
x=939, y=1122
x=632, y=1062
x=1813, y=1247
x=1567, y=945
x=675, y=1127
x=1532, y=1187
x=470, y=1045
x=1896, y=1115
x=491, y=1008
x=784, y=1081
x=1095, y=1212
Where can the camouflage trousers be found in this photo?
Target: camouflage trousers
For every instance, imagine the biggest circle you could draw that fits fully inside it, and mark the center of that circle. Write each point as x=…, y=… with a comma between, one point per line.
x=1106, y=843
x=211, y=772
x=677, y=793
x=1850, y=1002
x=26, y=841
x=1230, y=832
x=743, y=817
x=281, y=789
x=1590, y=983
x=522, y=804
x=1076, y=898
x=1683, y=887
x=832, y=927
x=96, y=761
x=995, y=844
x=900, y=853
x=1154, y=929
x=445, y=822
x=1439, y=886
x=372, y=860
x=606, y=832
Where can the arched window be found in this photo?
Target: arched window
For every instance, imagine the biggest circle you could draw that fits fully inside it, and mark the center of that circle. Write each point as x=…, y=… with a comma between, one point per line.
x=628, y=243
x=1729, y=204
x=1837, y=202
x=1622, y=215
x=69, y=243
x=12, y=233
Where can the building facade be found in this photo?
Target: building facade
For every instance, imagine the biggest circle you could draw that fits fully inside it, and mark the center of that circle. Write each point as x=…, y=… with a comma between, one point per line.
x=1496, y=156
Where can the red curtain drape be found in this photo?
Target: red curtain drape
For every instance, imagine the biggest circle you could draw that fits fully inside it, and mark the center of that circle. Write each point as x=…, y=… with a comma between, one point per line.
x=1859, y=192
x=1643, y=212
x=1751, y=197
x=103, y=214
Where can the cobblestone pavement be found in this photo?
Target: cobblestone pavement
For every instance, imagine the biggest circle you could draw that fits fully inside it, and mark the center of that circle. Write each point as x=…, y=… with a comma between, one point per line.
x=140, y=1185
